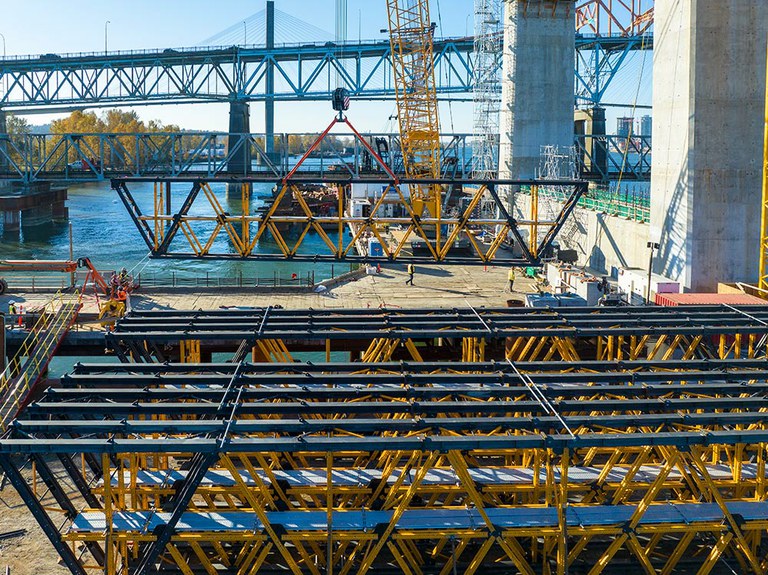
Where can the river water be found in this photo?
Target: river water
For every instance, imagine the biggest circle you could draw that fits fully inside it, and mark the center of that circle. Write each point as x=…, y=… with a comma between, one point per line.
x=103, y=231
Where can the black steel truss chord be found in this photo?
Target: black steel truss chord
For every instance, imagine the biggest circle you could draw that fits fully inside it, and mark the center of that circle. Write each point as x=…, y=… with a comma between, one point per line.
x=511, y=222
x=75, y=475
x=59, y=494
x=570, y=205
x=38, y=512
x=178, y=217
x=135, y=213
x=183, y=494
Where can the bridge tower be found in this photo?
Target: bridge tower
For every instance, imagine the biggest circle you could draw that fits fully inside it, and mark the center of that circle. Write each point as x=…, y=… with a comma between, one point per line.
x=708, y=100
x=269, y=101
x=537, y=83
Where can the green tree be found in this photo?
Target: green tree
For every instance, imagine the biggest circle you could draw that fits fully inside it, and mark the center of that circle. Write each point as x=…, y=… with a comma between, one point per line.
x=17, y=126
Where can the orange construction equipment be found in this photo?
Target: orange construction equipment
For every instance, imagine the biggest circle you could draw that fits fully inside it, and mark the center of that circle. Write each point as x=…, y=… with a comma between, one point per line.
x=64, y=266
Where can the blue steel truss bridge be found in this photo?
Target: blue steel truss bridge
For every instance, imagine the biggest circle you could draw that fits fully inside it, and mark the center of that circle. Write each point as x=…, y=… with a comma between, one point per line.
x=88, y=157
x=307, y=71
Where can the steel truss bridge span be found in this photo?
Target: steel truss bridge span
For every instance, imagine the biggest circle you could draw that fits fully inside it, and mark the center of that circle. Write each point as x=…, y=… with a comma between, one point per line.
x=76, y=157
x=376, y=467
x=304, y=71
x=359, y=219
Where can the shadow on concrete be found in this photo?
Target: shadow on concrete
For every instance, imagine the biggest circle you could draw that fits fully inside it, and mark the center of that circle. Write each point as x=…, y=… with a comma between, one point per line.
x=604, y=229
x=147, y=305
x=670, y=260
x=435, y=272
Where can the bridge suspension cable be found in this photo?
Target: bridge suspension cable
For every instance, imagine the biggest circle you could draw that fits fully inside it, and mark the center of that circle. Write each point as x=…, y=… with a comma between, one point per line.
x=253, y=31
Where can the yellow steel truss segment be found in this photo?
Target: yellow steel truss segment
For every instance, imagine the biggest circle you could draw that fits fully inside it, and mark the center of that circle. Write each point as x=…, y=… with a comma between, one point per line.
x=289, y=230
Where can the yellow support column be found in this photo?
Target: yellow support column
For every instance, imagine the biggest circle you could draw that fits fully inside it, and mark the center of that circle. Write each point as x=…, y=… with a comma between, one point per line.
x=763, y=272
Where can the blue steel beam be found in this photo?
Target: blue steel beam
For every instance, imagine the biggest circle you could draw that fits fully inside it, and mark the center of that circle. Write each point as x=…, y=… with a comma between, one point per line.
x=221, y=74
x=599, y=60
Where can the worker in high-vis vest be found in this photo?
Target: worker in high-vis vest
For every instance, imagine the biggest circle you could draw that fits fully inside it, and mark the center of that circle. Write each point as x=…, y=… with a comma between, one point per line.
x=411, y=270
x=511, y=278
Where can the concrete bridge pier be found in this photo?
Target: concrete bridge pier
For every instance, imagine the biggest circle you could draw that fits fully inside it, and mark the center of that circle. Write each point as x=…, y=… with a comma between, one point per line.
x=11, y=221
x=239, y=163
x=3, y=142
x=31, y=205
x=537, y=83
x=708, y=102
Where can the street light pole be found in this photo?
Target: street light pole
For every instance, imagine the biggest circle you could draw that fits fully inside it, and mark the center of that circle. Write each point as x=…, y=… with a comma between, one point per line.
x=245, y=33
x=105, y=35
x=5, y=79
x=652, y=246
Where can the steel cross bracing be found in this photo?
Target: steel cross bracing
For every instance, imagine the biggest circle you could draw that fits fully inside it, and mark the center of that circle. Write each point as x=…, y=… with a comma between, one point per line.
x=627, y=158
x=402, y=468
x=72, y=81
x=278, y=232
x=654, y=333
x=307, y=71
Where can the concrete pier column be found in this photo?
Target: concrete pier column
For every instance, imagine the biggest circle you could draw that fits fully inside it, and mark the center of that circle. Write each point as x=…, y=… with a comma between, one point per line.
x=708, y=102
x=11, y=221
x=59, y=212
x=239, y=123
x=38, y=215
x=269, y=101
x=537, y=100
x=3, y=142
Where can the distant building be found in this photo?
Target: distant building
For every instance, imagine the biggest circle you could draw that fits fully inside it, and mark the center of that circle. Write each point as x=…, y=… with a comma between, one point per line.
x=625, y=127
x=645, y=125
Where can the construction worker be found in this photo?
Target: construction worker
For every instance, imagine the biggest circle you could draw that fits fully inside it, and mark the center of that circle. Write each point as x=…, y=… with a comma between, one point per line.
x=511, y=278
x=12, y=308
x=411, y=271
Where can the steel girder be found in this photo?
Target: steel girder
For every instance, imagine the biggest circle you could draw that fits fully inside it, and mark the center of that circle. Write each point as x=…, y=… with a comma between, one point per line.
x=84, y=157
x=554, y=480
x=447, y=322
x=294, y=210
x=522, y=335
x=630, y=157
x=218, y=74
x=599, y=60
x=71, y=81
x=88, y=157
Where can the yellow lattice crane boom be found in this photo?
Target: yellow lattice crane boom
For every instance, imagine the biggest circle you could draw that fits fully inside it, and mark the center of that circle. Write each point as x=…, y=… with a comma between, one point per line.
x=410, y=34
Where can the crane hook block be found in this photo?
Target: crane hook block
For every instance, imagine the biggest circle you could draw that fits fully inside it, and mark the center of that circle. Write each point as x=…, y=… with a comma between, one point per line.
x=340, y=100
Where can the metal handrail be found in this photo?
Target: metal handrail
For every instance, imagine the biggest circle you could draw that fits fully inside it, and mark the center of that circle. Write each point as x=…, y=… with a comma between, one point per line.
x=37, y=351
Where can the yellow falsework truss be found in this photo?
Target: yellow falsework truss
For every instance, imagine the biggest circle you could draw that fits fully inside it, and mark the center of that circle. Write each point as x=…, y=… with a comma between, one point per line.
x=410, y=32
x=428, y=470
x=398, y=514
x=279, y=232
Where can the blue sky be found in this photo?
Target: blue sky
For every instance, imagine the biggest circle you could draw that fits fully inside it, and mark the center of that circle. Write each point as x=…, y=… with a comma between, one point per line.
x=43, y=26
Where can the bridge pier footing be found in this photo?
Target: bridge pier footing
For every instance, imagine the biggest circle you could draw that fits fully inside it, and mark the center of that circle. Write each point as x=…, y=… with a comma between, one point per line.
x=29, y=205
